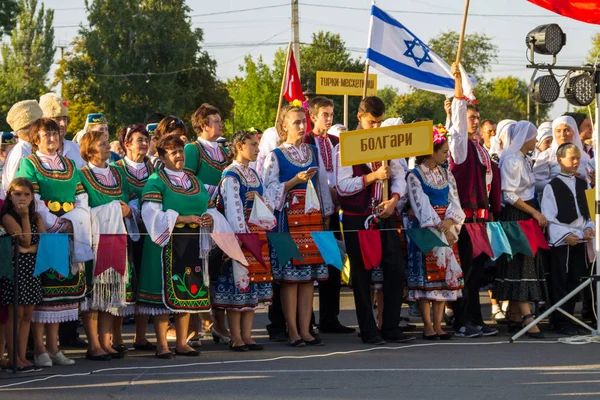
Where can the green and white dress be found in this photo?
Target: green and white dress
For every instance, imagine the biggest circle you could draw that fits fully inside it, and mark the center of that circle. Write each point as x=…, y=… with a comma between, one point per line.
x=110, y=291
x=206, y=160
x=59, y=194
x=172, y=274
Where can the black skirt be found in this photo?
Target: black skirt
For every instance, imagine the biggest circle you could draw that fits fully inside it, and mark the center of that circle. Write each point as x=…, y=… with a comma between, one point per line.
x=521, y=278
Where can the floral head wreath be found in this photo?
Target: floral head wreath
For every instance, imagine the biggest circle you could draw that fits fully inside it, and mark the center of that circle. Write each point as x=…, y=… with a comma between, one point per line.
x=440, y=134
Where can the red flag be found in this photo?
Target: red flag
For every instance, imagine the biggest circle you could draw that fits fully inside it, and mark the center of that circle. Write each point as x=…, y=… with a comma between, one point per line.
x=479, y=239
x=292, y=89
x=534, y=235
x=581, y=10
x=111, y=251
x=252, y=242
x=370, y=247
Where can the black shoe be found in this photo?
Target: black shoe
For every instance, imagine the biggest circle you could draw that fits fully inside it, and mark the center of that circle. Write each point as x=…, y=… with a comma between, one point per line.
x=255, y=347
x=297, y=343
x=76, y=342
x=398, y=337
x=278, y=337
x=435, y=336
x=165, y=356
x=242, y=348
x=117, y=356
x=121, y=348
x=445, y=336
x=486, y=330
x=148, y=346
x=468, y=331
x=314, y=342
x=191, y=353
x=567, y=329
x=101, y=357
x=335, y=328
x=376, y=340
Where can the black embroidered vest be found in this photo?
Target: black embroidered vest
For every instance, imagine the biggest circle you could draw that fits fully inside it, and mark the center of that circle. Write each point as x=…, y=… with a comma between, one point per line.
x=567, y=212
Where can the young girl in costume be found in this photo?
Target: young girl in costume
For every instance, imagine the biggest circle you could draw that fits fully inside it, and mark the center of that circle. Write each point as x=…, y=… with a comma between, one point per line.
x=238, y=189
x=434, y=278
x=20, y=219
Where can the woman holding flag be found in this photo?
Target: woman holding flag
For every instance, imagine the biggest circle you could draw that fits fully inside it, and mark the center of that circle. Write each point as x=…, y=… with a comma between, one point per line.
x=296, y=185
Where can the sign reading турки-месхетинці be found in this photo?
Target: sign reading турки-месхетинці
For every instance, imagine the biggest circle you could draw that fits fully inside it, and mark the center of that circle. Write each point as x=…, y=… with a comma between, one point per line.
x=345, y=83
x=389, y=143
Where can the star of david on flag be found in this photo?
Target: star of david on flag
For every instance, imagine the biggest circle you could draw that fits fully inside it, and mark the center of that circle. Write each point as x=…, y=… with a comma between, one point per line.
x=395, y=51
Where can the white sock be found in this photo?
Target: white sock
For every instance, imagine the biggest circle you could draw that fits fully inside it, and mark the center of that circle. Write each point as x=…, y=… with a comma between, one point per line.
x=495, y=308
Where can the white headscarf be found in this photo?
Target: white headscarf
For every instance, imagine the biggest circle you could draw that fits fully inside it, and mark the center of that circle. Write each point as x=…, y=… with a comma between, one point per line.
x=392, y=122
x=497, y=143
x=562, y=120
x=545, y=130
x=270, y=140
x=517, y=135
x=336, y=129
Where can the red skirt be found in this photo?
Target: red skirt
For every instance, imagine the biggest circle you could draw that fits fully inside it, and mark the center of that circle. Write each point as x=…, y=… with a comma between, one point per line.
x=300, y=225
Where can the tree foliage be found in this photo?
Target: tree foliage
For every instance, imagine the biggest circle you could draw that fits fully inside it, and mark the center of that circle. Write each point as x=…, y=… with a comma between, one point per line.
x=255, y=96
x=8, y=15
x=27, y=59
x=478, y=51
x=138, y=57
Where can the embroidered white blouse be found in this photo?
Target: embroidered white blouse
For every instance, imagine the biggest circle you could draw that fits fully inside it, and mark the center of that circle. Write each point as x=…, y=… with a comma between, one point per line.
x=274, y=189
x=517, y=179
x=557, y=231
x=420, y=203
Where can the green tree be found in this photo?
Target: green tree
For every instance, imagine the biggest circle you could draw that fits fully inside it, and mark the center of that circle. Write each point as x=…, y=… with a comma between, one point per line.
x=506, y=98
x=8, y=15
x=255, y=96
x=27, y=59
x=388, y=95
x=478, y=51
x=419, y=104
x=137, y=57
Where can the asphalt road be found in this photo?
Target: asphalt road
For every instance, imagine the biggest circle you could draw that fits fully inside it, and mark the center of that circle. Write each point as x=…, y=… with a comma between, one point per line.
x=485, y=368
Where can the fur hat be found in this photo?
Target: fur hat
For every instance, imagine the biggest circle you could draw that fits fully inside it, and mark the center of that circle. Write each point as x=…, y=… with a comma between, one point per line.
x=53, y=106
x=23, y=114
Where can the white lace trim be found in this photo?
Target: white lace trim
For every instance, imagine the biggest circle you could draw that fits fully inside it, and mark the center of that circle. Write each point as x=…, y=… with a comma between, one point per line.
x=54, y=317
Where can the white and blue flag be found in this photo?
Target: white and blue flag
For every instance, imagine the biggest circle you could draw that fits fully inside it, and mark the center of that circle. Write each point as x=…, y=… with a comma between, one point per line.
x=395, y=51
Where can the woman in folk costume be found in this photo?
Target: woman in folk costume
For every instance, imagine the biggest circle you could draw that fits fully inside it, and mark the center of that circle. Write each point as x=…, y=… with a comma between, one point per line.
x=63, y=205
x=174, y=273
x=546, y=167
x=435, y=278
x=296, y=185
x=498, y=142
x=110, y=279
x=520, y=279
x=241, y=295
x=136, y=167
x=206, y=159
x=544, y=139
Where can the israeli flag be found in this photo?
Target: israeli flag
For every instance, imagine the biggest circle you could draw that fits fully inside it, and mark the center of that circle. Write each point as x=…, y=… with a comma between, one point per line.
x=395, y=51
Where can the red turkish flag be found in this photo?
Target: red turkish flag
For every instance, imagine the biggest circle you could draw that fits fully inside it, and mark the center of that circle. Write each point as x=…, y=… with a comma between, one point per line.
x=292, y=88
x=581, y=10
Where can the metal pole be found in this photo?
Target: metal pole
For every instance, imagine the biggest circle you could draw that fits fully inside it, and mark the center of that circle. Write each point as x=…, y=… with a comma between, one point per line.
x=597, y=188
x=346, y=110
x=296, y=33
x=15, y=303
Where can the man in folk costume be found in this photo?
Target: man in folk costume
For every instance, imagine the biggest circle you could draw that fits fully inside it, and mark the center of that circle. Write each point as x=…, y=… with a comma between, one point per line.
x=321, y=114
x=478, y=181
x=360, y=190
x=57, y=110
x=206, y=159
x=20, y=116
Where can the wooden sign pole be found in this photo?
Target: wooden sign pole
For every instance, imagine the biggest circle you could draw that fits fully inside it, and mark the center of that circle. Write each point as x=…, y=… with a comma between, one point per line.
x=285, y=72
x=384, y=195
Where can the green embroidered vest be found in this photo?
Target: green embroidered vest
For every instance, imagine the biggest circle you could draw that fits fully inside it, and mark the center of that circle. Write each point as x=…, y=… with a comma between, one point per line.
x=135, y=185
x=199, y=162
x=159, y=189
x=61, y=186
x=99, y=194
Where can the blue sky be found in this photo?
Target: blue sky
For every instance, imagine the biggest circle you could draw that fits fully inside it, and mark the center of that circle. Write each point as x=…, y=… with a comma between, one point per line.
x=230, y=35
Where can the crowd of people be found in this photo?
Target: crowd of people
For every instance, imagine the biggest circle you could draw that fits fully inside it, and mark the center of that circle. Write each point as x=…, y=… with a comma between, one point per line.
x=138, y=213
